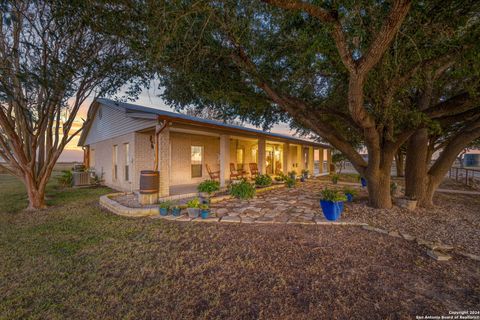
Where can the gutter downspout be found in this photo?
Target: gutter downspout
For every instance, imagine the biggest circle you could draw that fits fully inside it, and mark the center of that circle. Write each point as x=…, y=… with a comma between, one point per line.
x=158, y=129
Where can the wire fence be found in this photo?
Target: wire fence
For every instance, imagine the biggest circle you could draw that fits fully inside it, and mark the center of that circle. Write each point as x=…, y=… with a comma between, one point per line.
x=467, y=176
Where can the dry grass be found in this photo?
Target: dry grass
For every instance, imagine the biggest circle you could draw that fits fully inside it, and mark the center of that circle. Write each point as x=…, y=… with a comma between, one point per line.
x=76, y=261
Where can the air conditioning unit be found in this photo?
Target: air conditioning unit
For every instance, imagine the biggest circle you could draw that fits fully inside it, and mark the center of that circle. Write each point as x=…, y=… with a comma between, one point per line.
x=81, y=178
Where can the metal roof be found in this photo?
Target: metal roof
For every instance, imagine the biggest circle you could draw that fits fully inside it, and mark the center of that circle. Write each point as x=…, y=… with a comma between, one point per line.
x=130, y=108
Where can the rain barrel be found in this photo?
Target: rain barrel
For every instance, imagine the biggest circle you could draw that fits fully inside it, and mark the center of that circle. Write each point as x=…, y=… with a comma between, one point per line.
x=149, y=180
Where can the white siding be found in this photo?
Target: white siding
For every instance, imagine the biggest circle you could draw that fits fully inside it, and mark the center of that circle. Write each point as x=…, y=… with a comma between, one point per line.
x=103, y=162
x=114, y=123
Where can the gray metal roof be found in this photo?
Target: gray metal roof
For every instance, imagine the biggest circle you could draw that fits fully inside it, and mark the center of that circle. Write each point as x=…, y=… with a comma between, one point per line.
x=129, y=107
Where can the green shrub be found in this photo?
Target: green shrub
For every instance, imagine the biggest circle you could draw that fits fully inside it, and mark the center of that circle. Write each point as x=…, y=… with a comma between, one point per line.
x=305, y=173
x=204, y=206
x=335, y=178
x=292, y=174
x=280, y=177
x=194, y=203
x=332, y=195
x=351, y=191
x=242, y=190
x=208, y=186
x=66, y=178
x=165, y=204
x=263, y=180
x=290, y=182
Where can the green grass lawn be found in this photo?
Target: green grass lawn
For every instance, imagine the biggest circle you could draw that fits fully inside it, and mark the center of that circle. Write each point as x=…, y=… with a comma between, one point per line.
x=75, y=260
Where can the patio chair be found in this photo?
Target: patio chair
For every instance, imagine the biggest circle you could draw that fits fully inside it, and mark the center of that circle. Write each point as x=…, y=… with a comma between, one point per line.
x=241, y=170
x=214, y=175
x=234, y=173
x=253, y=169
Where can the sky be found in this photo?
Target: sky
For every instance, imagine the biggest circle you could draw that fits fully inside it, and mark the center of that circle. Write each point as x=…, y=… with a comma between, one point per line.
x=148, y=98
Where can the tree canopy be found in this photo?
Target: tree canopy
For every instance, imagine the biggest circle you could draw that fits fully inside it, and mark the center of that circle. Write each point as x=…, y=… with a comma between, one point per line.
x=53, y=57
x=355, y=72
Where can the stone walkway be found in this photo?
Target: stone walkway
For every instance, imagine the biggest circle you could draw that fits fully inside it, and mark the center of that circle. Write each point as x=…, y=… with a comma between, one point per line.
x=297, y=205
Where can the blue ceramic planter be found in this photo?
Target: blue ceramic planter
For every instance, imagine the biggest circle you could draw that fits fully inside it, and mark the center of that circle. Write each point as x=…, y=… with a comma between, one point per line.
x=164, y=211
x=363, y=181
x=331, y=210
x=204, y=213
x=349, y=197
x=176, y=212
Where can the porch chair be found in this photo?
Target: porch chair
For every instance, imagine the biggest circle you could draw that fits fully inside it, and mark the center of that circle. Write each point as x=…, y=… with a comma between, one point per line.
x=253, y=169
x=214, y=175
x=234, y=173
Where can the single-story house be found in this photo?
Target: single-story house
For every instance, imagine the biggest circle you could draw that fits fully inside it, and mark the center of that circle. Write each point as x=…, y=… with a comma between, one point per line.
x=121, y=139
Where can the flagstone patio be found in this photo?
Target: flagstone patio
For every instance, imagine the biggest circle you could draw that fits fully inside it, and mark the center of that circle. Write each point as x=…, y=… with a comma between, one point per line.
x=285, y=205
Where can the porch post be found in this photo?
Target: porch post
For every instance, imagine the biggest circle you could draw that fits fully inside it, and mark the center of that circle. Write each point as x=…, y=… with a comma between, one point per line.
x=300, y=162
x=311, y=160
x=164, y=162
x=329, y=160
x=320, y=160
x=261, y=155
x=224, y=158
x=286, y=157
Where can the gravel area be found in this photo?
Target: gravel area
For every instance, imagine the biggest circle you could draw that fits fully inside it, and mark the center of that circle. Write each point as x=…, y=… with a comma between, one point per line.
x=454, y=220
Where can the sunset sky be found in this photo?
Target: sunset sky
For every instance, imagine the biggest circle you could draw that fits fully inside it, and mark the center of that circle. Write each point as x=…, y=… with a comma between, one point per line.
x=148, y=98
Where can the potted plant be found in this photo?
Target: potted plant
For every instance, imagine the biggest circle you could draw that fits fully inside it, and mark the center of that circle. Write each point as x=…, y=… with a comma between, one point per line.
x=263, y=180
x=407, y=203
x=335, y=178
x=349, y=193
x=393, y=189
x=332, y=204
x=290, y=182
x=208, y=188
x=176, y=210
x=193, y=208
x=242, y=190
x=363, y=181
x=163, y=207
x=305, y=174
x=204, y=211
x=293, y=174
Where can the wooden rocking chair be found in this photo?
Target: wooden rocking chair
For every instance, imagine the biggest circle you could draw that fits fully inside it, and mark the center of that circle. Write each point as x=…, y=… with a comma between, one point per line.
x=234, y=173
x=214, y=175
x=253, y=169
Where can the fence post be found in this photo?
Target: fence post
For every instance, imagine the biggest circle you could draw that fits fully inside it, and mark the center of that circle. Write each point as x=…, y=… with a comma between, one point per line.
x=466, y=177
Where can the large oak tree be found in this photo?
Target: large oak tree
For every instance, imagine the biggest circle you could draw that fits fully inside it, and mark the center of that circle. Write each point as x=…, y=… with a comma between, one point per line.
x=340, y=70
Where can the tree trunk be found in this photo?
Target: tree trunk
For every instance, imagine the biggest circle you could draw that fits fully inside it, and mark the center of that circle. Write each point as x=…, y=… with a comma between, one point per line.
x=36, y=195
x=416, y=176
x=427, y=200
x=400, y=163
x=378, y=185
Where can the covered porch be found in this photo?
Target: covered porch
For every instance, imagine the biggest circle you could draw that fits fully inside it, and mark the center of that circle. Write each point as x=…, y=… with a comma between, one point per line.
x=189, y=154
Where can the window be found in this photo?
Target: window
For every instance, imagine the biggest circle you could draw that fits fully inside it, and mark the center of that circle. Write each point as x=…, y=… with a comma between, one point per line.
x=196, y=161
x=127, y=161
x=240, y=159
x=115, y=162
x=305, y=158
x=254, y=154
